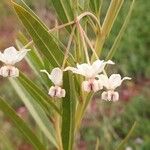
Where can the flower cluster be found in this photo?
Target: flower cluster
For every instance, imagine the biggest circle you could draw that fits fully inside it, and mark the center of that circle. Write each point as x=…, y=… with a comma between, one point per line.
x=10, y=57
x=94, y=81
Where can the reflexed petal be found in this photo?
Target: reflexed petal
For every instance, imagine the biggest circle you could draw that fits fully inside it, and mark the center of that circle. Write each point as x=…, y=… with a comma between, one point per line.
x=98, y=66
x=115, y=81
x=85, y=70
x=103, y=80
x=126, y=78
x=74, y=70
x=45, y=71
x=110, y=62
x=21, y=54
x=56, y=76
x=10, y=55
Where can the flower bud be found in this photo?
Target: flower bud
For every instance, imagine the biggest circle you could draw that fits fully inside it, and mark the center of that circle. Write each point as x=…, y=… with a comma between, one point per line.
x=9, y=71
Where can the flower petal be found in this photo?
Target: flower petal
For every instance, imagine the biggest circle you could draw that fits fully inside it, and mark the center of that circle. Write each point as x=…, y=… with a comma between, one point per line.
x=56, y=76
x=115, y=81
x=98, y=66
x=21, y=54
x=45, y=71
x=103, y=80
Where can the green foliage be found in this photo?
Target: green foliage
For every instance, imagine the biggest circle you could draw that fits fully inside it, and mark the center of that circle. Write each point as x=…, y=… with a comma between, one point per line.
x=59, y=121
x=21, y=125
x=134, y=48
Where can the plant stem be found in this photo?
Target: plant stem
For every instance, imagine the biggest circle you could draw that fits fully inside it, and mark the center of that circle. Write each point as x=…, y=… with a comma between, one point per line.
x=89, y=43
x=120, y=147
x=83, y=40
x=58, y=128
x=69, y=23
x=68, y=47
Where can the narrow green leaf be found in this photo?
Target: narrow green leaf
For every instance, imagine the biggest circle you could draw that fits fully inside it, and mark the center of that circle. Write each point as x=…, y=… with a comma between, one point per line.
x=121, y=33
x=68, y=116
x=42, y=98
x=95, y=6
x=45, y=41
x=36, y=111
x=34, y=60
x=21, y=125
x=111, y=16
x=24, y=5
x=121, y=146
x=64, y=11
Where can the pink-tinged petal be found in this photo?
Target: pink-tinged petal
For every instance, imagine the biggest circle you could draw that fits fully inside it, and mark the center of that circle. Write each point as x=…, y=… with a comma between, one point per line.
x=9, y=71
x=110, y=96
x=104, y=96
x=57, y=92
x=90, y=85
x=52, y=92
x=115, y=96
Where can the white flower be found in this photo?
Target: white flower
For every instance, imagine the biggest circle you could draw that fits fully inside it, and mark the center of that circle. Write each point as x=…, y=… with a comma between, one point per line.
x=9, y=57
x=90, y=72
x=56, y=77
x=111, y=84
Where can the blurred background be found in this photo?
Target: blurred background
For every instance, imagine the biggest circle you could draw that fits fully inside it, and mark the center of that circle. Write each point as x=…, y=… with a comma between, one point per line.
x=105, y=122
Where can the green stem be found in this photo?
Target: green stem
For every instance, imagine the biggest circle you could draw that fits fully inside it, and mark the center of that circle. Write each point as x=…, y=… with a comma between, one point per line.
x=120, y=147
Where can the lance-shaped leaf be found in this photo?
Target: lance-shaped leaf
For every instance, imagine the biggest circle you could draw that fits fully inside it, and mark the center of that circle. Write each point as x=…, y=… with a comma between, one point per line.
x=36, y=111
x=21, y=125
x=95, y=6
x=45, y=41
x=64, y=11
x=68, y=115
x=42, y=98
x=121, y=33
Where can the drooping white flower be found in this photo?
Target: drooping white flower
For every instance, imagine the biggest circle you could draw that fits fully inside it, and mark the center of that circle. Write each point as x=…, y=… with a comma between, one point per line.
x=9, y=57
x=56, y=77
x=90, y=71
x=111, y=84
